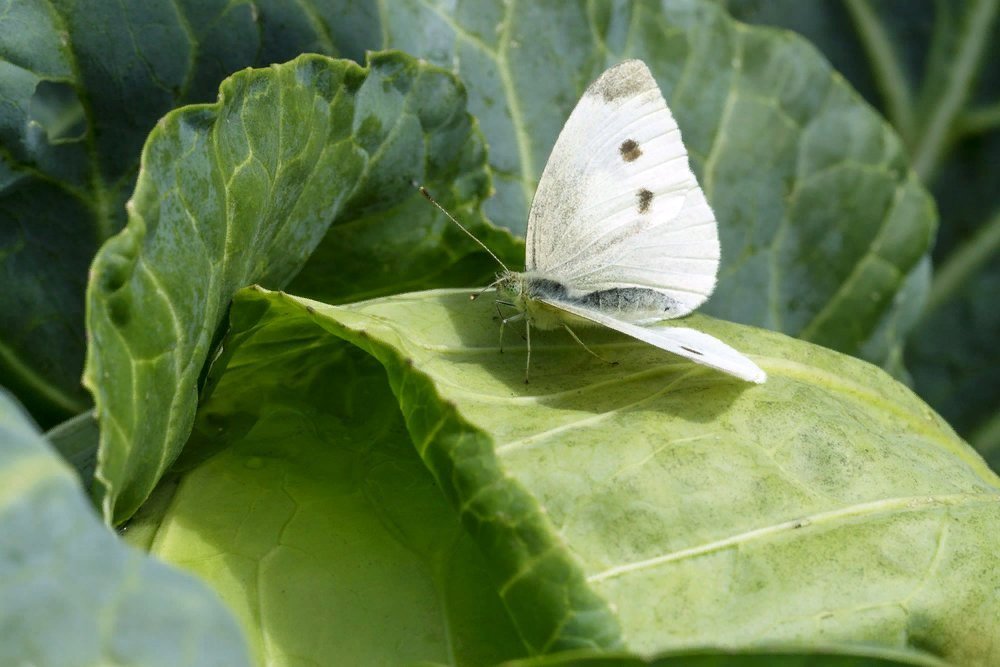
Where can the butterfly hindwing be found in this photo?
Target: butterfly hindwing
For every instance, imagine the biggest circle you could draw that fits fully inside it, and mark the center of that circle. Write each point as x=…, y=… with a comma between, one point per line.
x=617, y=204
x=689, y=343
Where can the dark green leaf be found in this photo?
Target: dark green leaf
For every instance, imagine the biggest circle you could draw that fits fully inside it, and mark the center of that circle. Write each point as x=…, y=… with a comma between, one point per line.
x=887, y=344
x=82, y=83
x=72, y=593
x=820, y=217
x=77, y=440
x=242, y=191
x=955, y=361
x=46, y=242
x=928, y=65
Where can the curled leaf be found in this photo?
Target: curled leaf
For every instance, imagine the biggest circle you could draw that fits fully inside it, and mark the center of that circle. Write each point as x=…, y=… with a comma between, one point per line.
x=242, y=191
x=657, y=504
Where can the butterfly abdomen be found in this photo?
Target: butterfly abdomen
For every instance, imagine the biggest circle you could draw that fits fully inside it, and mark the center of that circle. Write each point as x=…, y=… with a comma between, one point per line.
x=630, y=303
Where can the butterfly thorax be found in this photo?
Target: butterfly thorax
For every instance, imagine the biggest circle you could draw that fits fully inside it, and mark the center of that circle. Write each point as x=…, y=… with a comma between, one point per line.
x=538, y=297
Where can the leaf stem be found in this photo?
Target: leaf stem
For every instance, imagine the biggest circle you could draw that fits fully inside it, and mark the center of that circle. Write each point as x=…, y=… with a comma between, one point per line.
x=933, y=135
x=980, y=120
x=964, y=262
x=888, y=73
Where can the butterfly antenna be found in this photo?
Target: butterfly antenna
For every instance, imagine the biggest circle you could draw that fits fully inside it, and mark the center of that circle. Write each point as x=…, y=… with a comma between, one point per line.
x=482, y=245
x=473, y=297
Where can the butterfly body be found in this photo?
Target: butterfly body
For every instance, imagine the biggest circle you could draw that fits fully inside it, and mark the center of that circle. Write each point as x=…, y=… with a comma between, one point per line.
x=534, y=295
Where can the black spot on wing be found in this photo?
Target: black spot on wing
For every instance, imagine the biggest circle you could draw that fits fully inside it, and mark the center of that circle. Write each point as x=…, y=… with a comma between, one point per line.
x=629, y=150
x=645, y=199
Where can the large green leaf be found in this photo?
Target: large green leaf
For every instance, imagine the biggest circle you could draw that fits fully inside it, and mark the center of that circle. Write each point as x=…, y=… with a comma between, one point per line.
x=72, y=593
x=130, y=68
x=242, y=191
x=658, y=504
x=928, y=65
x=43, y=176
x=821, y=219
x=838, y=197
x=82, y=84
x=318, y=524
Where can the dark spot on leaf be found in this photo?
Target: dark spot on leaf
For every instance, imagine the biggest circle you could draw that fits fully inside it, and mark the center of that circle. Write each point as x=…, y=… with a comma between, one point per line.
x=645, y=199
x=310, y=310
x=629, y=150
x=684, y=347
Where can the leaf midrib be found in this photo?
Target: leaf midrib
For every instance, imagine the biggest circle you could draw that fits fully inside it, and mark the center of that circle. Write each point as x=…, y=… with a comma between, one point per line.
x=839, y=516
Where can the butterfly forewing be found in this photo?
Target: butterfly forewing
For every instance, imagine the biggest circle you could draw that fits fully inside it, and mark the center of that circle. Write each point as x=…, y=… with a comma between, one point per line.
x=617, y=205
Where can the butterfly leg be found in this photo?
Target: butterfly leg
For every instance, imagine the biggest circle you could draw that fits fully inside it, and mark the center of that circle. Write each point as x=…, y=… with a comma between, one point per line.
x=503, y=323
x=504, y=320
x=582, y=344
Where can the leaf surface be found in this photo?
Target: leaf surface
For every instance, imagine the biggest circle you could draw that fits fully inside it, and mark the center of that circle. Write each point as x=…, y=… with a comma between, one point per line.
x=83, y=83
x=659, y=505
x=317, y=523
x=929, y=68
x=72, y=592
x=242, y=191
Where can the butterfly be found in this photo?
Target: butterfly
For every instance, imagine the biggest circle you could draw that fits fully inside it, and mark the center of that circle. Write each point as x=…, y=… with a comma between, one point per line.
x=619, y=232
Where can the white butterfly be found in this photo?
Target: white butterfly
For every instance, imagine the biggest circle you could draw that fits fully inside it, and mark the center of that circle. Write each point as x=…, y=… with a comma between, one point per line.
x=619, y=232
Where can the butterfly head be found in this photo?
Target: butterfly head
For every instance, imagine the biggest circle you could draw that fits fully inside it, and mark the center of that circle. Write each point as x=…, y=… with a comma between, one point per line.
x=510, y=286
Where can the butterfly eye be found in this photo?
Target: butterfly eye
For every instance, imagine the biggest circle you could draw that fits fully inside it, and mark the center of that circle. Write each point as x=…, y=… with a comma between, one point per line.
x=629, y=150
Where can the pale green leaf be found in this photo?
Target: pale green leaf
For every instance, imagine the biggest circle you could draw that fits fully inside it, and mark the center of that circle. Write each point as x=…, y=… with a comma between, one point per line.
x=72, y=593
x=317, y=523
x=659, y=505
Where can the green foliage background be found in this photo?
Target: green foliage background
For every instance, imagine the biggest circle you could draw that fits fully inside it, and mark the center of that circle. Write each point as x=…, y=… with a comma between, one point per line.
x=300, y=176
x=930, y=67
